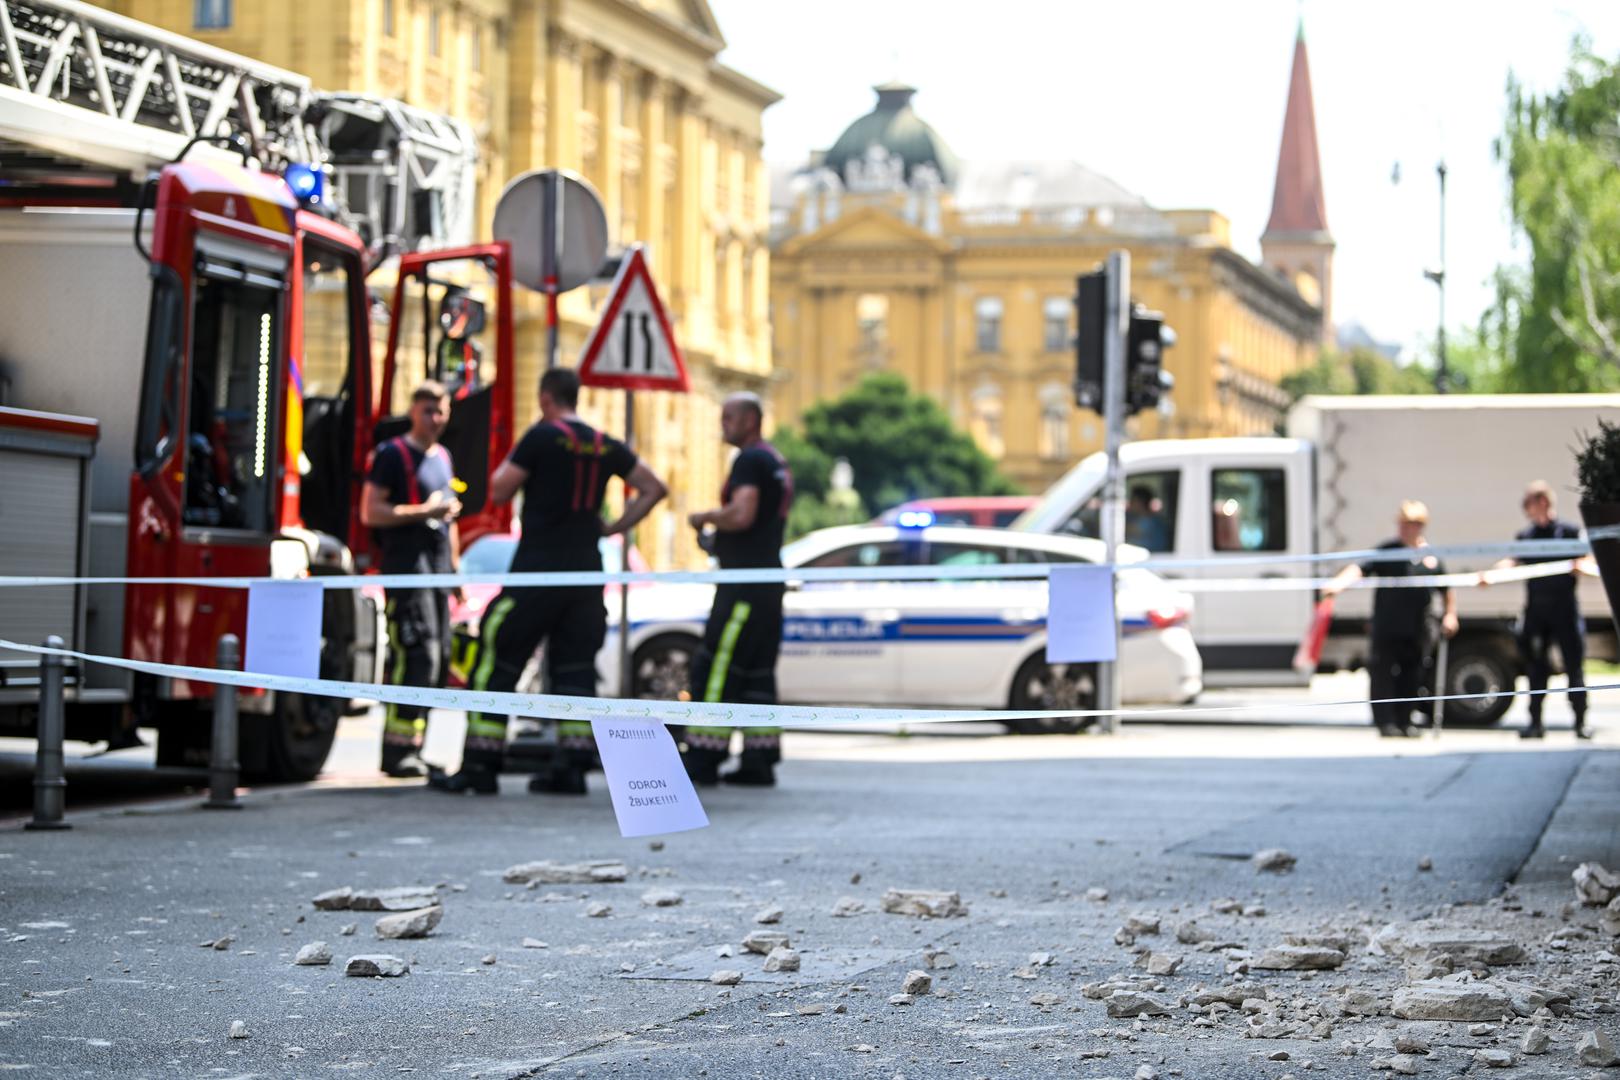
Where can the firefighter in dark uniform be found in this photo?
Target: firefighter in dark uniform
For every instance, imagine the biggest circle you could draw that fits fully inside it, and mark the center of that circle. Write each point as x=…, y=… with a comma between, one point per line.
x=737, y=662
x=562, y=465
x=410, y=502
x=1400, y=641
x=1552, y=615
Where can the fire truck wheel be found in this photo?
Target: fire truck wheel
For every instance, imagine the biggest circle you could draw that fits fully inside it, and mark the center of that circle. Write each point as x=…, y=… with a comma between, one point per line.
x=300, y=736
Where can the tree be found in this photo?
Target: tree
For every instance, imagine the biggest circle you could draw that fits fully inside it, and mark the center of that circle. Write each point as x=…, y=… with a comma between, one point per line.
x=1359, y=371
x=901, y=445
x=1561, y=315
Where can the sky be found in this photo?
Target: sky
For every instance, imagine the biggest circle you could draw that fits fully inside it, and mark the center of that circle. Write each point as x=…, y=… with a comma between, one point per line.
x=1182, y=102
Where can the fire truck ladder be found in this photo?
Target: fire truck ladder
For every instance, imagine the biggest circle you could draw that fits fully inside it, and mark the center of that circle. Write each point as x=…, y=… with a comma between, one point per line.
x=91, y=100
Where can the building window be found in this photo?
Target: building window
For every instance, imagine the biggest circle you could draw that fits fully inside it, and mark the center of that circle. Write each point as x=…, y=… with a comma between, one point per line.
x=987, y=324
x=212, y=15
x=1056, y=322
x=1054, y=433
x=986, y=425
x=435, y=32
x=872, y=320
x=389, y=28
x=477, y=48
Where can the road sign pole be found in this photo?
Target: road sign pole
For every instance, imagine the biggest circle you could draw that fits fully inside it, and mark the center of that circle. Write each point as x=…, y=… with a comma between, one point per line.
x=552, y=232
x=627, y=681
x=1113, y=503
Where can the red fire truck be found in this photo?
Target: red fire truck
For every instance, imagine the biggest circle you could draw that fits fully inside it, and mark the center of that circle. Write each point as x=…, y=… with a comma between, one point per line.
x=187, y=384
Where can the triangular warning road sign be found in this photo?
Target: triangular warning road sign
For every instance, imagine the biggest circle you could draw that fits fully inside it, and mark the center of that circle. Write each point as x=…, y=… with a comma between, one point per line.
x=633, y=347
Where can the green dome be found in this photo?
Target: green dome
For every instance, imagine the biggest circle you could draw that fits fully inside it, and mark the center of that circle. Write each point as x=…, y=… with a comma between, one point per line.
x=899, y=130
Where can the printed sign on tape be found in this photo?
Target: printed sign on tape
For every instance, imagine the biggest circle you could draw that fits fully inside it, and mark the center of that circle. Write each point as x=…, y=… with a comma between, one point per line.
x=1080, y=615
x=284, y=629
x=651, y=791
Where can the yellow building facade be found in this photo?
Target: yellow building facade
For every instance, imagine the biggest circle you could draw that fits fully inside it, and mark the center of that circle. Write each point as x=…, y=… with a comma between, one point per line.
x=627, y=93
x=889, y=254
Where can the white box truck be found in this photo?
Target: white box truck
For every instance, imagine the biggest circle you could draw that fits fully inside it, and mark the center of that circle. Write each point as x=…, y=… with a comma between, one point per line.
x=1335, y=483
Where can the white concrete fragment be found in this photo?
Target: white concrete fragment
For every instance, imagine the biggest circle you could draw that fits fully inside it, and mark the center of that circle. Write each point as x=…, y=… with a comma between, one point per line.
x=238, y=1030
x=901, y=999
x=768, y=916
x=1596, y=1050
x=1162, y=964
x=598, y=910
x=1535, y=1041
x=547, y=872
x=763, y=941
x=334, y=900
x=1595, y=884
x=923, y=903
x=1495, y=1059
x=917, y=982
x=1450, y=999
x=1429, y=939
x=661, y=898
x=534, y=943
x=403, y=898
x=725, y=977
x=375, y=964
x=1273, y=860
x=315, y=954
x=938, y=959
x=1126, y=1004
x=782, y=958
x=848, y=906
x=1298, y=958
x=1097, y=894
x=410, y=924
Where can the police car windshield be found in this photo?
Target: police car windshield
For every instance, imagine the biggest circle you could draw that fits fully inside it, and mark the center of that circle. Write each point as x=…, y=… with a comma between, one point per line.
x=493, y=555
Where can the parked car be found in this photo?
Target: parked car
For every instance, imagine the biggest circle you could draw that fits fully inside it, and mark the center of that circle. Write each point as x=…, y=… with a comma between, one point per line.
x=982, y=511
x=956, y=644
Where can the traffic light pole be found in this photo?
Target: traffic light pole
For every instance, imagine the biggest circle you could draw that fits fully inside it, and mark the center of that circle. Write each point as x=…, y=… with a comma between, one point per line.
x=1113, y=502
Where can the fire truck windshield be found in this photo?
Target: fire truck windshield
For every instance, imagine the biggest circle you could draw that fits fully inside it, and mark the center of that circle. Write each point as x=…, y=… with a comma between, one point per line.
x=232, y=452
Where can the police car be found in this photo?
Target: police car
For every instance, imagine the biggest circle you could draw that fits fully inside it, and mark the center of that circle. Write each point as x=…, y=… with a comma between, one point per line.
x=960, y=643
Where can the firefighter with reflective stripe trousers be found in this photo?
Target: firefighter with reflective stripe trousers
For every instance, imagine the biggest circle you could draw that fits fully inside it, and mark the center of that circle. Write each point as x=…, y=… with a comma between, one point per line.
x=737, y=662
x=410, y=502
x=562, y=465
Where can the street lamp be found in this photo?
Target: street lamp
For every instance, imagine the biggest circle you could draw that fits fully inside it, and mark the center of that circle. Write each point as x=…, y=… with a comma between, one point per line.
x=1442, y=379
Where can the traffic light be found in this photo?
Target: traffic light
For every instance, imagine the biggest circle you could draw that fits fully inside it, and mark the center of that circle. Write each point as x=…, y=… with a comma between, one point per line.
x=1146, y=381
x=1091, y=311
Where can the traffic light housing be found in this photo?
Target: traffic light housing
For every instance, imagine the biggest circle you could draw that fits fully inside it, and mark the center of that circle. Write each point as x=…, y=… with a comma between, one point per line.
x=1146, y=381
x=1091, y=311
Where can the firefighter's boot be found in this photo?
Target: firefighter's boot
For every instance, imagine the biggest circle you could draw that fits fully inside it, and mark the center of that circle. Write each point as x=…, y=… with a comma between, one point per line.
x=474, y=776
x=404, y=764
x=755, y=768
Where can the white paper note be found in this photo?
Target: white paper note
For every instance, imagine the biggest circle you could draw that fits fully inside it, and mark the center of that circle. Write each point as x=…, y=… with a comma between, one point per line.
x=284, y=629
x=651, y=791
x=1080, y=615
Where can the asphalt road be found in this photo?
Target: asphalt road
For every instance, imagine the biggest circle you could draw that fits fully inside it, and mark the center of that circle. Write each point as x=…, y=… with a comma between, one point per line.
x=102, y=973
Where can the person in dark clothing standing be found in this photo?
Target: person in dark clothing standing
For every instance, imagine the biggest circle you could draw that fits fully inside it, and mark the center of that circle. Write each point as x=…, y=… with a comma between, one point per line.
x=410, y=501
x=743, y=636
x=1400, y=643
x=562, y=465
x=1552, y=616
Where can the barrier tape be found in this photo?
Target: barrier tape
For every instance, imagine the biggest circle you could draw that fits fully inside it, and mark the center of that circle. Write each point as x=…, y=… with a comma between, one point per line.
x=706, y=714
x=779, y=575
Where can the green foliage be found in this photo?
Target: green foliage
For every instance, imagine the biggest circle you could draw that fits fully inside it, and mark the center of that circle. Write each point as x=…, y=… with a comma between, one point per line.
x=901, y=445
x=1561, y=316
x=1597, y=465
x=1359, y=371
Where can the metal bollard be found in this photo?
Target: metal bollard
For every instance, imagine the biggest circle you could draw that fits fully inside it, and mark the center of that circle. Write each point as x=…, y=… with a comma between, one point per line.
x=222, y=763
x=50, y=787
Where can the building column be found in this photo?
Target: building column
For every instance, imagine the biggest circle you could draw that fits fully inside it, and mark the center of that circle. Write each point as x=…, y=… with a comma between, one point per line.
x=686, y=286
x=562, y=98
x=610, y=70
x=651, y=211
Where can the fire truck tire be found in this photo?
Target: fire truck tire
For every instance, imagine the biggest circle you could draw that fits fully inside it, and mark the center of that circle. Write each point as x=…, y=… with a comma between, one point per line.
x=299, y=736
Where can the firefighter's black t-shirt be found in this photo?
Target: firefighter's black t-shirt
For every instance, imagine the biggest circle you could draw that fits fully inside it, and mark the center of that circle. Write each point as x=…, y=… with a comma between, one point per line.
x=569, y=464
x=1401, y=612
x=420, y=547
x=758, y=466
x=1557, y=591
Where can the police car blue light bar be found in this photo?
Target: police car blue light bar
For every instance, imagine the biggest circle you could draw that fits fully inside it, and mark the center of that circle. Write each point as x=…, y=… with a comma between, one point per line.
x=914, y=519
x=308, y=182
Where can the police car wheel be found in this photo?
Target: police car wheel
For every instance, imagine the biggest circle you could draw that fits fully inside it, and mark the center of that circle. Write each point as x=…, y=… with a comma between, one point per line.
x=300, y=736
x=1041, y=686
x=1480, y=665
x=662, y=668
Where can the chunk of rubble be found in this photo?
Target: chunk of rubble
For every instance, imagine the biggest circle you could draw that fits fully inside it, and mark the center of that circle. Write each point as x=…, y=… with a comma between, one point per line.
x=901, y=999
x=769, y=916
x=1596, y=1051
x=1429, y=939
x=848, y=906
x=548, y=872
x=1273, y=861
x=1298, y=958
x=782, y=958
x=923, y=903
x=1495, y=1059
x=1345, y=943
x=375, y=965
x=334, y=900
x=763, y=941
x=1097, y=894
x=1128, y=1004
x=1609, y=919
x=1142, y=924
x=315, y=954
x=1403, y=1064
x=219, y=944
x=725, y=977
x=662, y=898
x=1359, y=1002
x=534, y=943
x=1526, y=998
x=1162, y=964
x=403, y=898
x=410, y=924
x=349, y=929
x=1453, y=998
x=1234, y=996
x=938, y=959
x=917, y=982
x=1045, y=999
x=1411, y=1044
x=598, y=910
x=1190, y=933
x=1595, y=884
x=1226, y=906
x=1535, y=1041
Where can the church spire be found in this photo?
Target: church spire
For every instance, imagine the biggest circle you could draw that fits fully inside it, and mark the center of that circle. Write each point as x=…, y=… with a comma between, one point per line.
x=1296, y=243
x=1298, y=204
